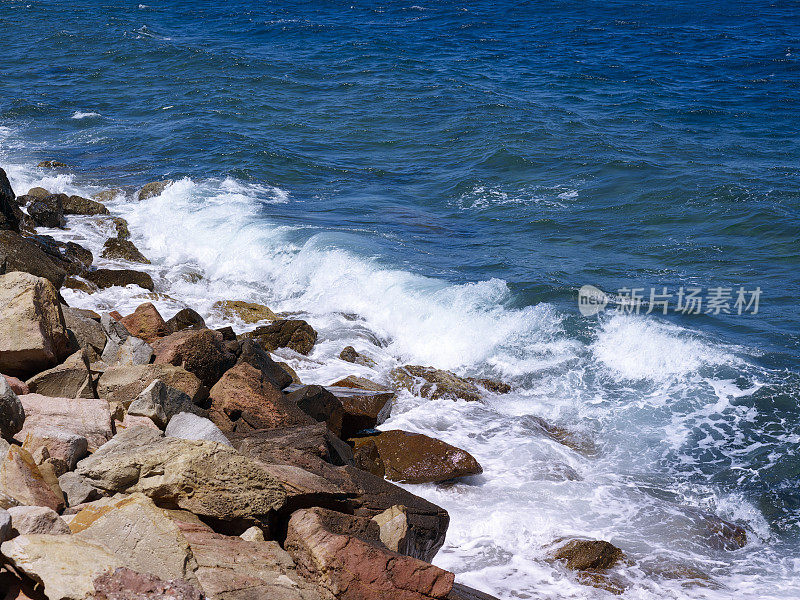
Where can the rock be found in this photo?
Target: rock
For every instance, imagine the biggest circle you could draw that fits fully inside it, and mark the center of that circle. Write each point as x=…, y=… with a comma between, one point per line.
x=86, y=332
x=228, y=334
x=17, y=386
x=38, y=192
x=350, y=355
x=78, y=255
x=34, y=335
x=302, y=442
x=12, y=413
x=462, y=592
x=394, y=530
x=5, y=526
x=189, y=426
x=145, y=323
x=26, y=520
x=491, y=385
x=106, y=278
x=185, y=318
x=65, y=564
x=77, y=283
x=85, y=417
x=107, y=195
x=116, y=248
x=154, y=188
x=201, y=352
x=22, y=480
x=366, y=570
x=320, y=405
x=254, y=534
x=286, y=367
x=716, y=531
x=571, y=439
x=209, y=479
x=364, y=408
x=121, y=226
x=160, y=403
x=8, y=219
x=129, y=421
x=124, y=383
x=127, y=584
x=57, y=444
x=412, y=458
x=250, y=351
x=247, y=312
x=584, y=555
x=18, y=253
x=49, y=211
x=435, y=383
x=77, y=489
x=51, y=164
x=72, y=379
x=244, y=399
x=230, y=568
x=359, y=383
x=131, y=352
x=76, y=205
x=295, y=334
x=140, y=534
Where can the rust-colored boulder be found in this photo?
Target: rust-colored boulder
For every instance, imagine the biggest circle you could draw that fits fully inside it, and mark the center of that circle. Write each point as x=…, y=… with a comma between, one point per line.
x=202, y=352
x=285, y=333
x=85, y=417
x=22, y=480
x=412, y=458
x=126, y=584
x=344, y=555
x=365, y=404
x=245, y=399
x=145, y=323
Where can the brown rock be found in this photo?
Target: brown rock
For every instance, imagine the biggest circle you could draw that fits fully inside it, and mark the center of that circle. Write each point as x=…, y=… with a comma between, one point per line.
x=49, y=211
x=77, y=205
x=244, y=399
x=435, y=383
x=12, y=413
x=106, y=278
x=247, y=312
x=292, y=373
x=124, y=383
x=85, y=417
x=17, y=386
x=250, y=351
x=18, y=253
x=350, y=355
x=72, y=379
x=51, y=164
x=85, y=331
x=412, y=458
x=34, y=335
x=201, y=352
x=21, y=479
x=108, y=195
x=117, y=248
x=185, y=318
x=154, y=188
x=319, y=404
x=366, y=404
x=77, y=283
x=586, y=555
x=285, y=333
x=57, y=444
x=121, y=226
x=38, y=192
x=304, y=441
x=145, y=323
x=127, y=584
x=343, y=554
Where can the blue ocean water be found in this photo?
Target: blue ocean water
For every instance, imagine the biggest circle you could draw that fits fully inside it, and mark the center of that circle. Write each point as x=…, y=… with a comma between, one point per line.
x=433, y=183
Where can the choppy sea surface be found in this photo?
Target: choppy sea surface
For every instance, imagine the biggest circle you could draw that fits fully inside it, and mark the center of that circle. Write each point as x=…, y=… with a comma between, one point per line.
x=432, y=183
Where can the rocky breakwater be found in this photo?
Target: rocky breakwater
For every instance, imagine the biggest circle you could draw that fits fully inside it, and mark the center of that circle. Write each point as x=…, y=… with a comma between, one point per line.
x=150, y=458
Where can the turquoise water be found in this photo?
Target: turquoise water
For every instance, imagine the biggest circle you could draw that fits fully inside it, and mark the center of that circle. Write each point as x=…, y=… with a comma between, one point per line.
x=433, y=183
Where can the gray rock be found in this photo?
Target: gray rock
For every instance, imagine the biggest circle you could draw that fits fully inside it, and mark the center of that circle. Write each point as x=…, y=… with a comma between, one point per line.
x=12, y=413
x=8, y=220
x=115, y=330
x=77, y=489
x=5, y=525
x=160, y=403
x=36, y=519
x=188, y=426
x=133, y=351
x=86, y=332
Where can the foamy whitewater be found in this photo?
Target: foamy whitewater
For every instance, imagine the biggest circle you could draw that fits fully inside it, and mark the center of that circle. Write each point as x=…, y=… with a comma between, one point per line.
x=635, y=389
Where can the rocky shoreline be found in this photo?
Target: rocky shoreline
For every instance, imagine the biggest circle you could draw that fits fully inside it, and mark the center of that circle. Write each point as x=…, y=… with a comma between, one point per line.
x=144, y=457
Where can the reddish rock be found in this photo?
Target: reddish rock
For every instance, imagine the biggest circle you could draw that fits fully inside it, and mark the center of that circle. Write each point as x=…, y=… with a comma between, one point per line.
x=21, y=479
x=17, y=386
x=126, y=584
x=412, y=458
x=86, y=417
x=145, y=323
x=201, y=352
x=344, y=555
x=245, y=399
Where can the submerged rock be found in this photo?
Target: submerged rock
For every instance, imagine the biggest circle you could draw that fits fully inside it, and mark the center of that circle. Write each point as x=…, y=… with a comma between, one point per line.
x=436, y=383
x=350, y=355
x=247, y=312
x=51, y=164
x=154, y=188
x=583, y=555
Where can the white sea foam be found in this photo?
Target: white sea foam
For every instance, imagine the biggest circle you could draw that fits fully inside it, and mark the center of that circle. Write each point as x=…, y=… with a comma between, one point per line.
x=533, y=489
x=85, y=115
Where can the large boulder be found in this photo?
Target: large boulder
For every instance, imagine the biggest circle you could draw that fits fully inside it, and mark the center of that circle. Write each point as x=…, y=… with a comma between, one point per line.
x=344, y=555
x=106, y=278
x=8, y=219
x=245, y=399
x=412, y=458
x=49, y=211
x=12, y=413
x=77, y=205
x=298, y=445
x=145, y=323
x=85, y=417
x=19, y=253
x=126, y=584
x=251, y=352
x=247, y=312
x=124, y=383
x=116, y=248
x=84, y=331
x=189, y=426
x=26, y=520
x=34, y=334
x=295, y=334
x=202, y=352
x=71, y=379
x=207, y=478
x=23, y=481
x=160, y=403
x=436, y=383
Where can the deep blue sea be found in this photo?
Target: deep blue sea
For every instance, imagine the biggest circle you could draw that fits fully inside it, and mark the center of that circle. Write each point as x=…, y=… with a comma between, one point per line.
x=433, y=183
